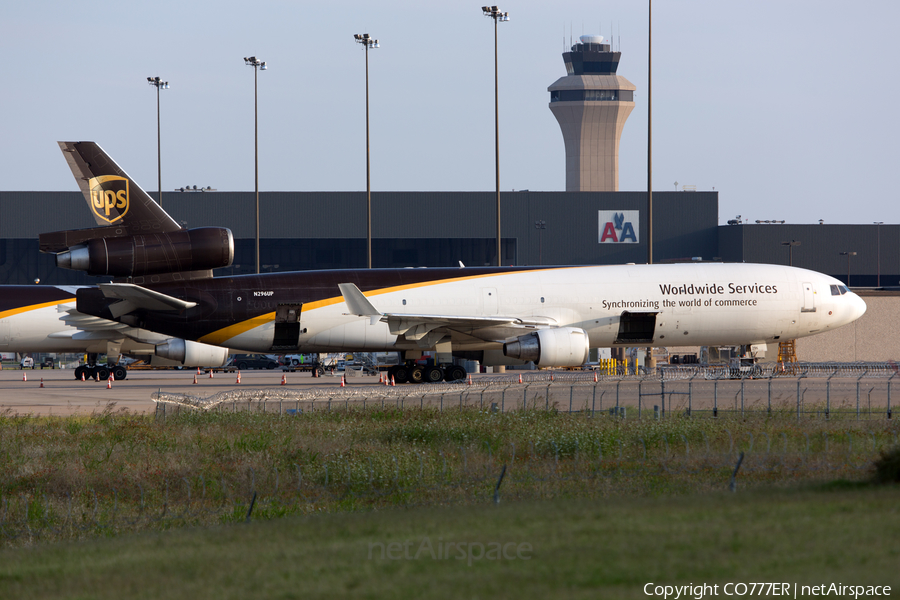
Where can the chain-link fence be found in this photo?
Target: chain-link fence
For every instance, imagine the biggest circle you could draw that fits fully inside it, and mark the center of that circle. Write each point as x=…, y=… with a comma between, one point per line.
x=847, y=391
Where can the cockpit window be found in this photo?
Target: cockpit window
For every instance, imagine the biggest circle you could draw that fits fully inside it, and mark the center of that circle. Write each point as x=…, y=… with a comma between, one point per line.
x=835, y=291
x=844, y=289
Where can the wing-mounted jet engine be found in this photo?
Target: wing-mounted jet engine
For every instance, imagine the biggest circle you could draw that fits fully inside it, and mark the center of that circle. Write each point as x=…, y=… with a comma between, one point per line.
x=558, y=347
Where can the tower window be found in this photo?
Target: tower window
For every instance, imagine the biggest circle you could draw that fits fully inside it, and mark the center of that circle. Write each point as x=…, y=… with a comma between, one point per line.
x=591, y=96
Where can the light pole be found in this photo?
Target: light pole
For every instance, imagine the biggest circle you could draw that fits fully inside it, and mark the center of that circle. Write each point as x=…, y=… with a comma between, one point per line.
x=494, y=13
x=258, y=65
x=878, y=225
x=159, y=85
x=650, y=134
x=848, y=255
x=790, y=246
x=367, y=43
x=540, y=226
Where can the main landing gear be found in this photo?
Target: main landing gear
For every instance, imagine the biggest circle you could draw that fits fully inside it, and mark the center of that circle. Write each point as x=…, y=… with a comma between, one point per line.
x=100, y=372
x=410, y=372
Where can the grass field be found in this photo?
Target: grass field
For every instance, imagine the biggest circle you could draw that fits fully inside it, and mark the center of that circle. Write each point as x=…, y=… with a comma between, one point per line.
x=575, y=549
x=122, y=505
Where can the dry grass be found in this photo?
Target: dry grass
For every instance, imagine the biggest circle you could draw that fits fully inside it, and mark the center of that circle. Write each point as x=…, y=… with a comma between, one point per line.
x=65, y=477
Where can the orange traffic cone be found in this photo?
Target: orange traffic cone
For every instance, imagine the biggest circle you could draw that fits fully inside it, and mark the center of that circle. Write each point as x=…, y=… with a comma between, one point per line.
x=520, y=378
x=470, y=380
x=198, y=370
x=283, y=379
x=393, y=382
x=210, y=373
x=195, y=380
x=109, y=383
x=82, y=375
x=24, y=377
x=343, y=381
x=42, y=382
x=551, y=375
x=238, y=378
x=595, y=376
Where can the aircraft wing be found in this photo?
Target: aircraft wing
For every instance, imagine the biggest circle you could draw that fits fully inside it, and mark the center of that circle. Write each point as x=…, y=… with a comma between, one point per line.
x=86, y=327
x=427, y=329
x=134, y=297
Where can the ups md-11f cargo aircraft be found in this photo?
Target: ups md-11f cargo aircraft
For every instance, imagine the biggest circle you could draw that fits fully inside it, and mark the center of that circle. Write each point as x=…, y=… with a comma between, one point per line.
x=43, y=318
x=502, y=316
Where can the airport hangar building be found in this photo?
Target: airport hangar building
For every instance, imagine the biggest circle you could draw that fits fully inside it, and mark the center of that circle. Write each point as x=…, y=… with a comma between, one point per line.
x=327, y=230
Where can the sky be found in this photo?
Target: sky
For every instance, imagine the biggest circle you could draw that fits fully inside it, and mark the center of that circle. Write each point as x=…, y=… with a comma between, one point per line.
x=787, y=109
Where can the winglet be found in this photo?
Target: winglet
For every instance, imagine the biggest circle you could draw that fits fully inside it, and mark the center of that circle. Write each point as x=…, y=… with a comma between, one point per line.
x=358, y=304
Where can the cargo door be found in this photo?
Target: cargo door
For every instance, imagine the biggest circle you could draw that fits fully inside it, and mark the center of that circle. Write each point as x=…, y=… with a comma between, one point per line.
x=809, y=298
x=287, y=327
x=636, y=328
x=491, y=302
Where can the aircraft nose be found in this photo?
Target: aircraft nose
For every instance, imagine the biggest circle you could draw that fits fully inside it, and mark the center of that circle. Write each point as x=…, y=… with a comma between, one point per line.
x=859, y=306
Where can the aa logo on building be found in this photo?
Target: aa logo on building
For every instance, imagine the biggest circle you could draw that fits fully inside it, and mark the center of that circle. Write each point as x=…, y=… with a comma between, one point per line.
x=619, y=226
x=109, y=197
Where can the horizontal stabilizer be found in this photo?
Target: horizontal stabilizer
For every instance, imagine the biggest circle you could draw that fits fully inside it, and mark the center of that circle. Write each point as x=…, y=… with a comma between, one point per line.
x=135, y=297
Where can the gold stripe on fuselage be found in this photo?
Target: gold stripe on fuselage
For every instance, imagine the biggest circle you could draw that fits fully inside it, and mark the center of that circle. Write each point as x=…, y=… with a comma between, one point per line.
x=23, y=309
x=219, y=337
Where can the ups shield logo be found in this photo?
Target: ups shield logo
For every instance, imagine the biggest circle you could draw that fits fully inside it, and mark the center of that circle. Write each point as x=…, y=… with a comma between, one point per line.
x=109, y=197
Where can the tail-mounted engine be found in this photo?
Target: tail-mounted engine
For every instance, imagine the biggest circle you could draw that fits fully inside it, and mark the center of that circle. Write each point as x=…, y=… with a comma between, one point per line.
x=152, y=253
x=560, y=347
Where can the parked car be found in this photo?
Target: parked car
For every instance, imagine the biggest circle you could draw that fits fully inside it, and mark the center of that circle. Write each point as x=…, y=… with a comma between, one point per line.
x=252, y=361
x=48, y=363
x=27, y=363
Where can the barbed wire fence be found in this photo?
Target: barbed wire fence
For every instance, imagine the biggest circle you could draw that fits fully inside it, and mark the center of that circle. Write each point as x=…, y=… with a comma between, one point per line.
x=829, y=391
x=478, y=472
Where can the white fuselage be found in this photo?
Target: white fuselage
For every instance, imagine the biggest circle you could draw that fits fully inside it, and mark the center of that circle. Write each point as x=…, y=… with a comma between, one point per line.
x=691, y=304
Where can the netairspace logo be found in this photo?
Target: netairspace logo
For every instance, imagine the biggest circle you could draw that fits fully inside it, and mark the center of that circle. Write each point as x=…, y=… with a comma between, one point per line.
x=467, y=551
x=619, y=226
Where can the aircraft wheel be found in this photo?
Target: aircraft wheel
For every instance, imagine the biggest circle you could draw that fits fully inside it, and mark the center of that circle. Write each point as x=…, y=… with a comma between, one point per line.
x=102, y=373
x=455, y=373
x=433, y=374
x=119, y=373
x=401, y=374
x=83, y=370
x=417, y=374
x=242, y=366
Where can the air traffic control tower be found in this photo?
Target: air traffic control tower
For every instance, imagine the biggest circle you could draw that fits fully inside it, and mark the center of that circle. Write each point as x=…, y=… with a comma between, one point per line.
x=591, y=104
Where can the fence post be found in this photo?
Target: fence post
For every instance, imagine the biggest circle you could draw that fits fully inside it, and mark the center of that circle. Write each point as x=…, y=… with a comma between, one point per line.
x=742, y=397
x=571, y=392
x=889, y=395
x=715, y=398
x=662, y=394
x=640, y=397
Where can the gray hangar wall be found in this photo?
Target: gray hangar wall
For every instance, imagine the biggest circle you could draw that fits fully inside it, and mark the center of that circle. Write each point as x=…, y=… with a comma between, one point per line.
x=324, y=230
